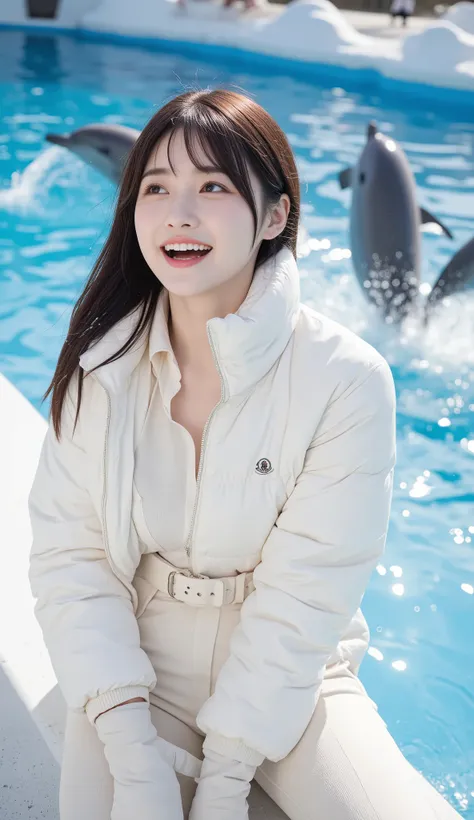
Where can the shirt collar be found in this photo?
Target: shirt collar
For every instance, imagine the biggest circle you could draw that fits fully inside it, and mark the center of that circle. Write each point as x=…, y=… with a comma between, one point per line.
x=159, y=337
x=246, y=344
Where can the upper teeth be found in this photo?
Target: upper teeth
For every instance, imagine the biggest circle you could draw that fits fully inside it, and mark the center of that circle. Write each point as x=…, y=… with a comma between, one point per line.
x=187, y=247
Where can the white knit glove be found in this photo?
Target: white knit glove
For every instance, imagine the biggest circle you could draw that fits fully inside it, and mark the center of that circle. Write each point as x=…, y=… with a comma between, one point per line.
x=143, y=765
x=222, y=789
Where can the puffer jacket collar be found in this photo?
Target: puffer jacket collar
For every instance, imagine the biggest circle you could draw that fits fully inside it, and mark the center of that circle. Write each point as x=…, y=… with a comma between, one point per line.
x=246, y=344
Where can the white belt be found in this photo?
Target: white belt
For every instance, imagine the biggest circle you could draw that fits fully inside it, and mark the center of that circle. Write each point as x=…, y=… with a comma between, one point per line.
x=195, y=591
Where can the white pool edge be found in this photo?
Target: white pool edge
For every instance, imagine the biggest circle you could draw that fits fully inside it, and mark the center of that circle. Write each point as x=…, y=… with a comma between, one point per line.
x=319, y=32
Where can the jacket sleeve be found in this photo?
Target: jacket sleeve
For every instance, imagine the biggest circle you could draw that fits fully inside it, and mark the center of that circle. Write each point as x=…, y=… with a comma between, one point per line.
x=85, y=612
x=314, y=569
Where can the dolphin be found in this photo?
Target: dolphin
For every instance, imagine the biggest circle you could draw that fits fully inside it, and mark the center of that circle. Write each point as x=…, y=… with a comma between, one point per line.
x=457, y=275
x=105, y=147
x=385, y=223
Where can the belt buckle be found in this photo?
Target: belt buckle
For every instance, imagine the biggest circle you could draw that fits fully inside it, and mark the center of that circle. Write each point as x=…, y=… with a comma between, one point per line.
x=218, y=593
x=171, y=584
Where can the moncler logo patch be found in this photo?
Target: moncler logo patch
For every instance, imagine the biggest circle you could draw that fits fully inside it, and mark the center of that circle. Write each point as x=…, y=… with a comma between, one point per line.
x=264, y=466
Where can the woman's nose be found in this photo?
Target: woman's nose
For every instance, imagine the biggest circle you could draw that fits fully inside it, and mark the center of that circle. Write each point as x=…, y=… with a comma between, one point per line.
x=180, y=214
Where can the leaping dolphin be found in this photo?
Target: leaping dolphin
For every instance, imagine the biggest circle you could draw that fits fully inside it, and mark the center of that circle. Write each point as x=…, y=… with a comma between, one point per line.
x=105, y=147
x=385, y=223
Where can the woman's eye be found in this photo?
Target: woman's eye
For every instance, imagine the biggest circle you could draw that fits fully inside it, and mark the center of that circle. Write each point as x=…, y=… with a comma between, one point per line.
x=154, y=188
x=151, y=189
x=214, y=183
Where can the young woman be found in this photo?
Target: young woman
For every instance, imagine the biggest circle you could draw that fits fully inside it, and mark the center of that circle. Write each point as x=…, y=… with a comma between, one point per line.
x=211, y=499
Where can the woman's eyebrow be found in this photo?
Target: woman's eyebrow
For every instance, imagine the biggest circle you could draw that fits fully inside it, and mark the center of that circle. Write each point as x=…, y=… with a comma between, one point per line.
x=205, y=169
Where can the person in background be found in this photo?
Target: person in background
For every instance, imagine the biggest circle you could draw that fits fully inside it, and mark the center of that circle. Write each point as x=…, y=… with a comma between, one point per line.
x=248, y=4
x=403, y=9
x=212, y=497
x=183, y=5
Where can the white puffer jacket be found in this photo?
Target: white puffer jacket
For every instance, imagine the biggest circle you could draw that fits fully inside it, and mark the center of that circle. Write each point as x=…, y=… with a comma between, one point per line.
x=298, y=391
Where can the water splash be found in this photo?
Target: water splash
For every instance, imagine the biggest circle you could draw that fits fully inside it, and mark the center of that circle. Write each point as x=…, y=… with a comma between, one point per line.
x=50, y=184
x=29, y=188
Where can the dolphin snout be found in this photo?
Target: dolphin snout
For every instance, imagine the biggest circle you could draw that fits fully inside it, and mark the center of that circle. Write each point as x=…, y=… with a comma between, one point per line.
x=58, y=139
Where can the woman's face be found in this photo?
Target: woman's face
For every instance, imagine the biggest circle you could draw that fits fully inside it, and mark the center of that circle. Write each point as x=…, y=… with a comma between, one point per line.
x=203, y=208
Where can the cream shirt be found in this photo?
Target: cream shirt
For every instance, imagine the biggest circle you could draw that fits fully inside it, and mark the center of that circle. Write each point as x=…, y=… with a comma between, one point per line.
x=163, y=497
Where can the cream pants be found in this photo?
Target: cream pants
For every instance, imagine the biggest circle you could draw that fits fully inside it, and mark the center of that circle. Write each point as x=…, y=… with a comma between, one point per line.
x=345, y=767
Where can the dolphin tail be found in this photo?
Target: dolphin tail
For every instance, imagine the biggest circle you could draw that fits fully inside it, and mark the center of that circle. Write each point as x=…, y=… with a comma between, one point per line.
x=427, y=218
x=458, y=275
x=345, y=178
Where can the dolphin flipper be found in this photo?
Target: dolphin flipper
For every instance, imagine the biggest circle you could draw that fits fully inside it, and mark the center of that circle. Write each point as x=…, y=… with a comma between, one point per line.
x=426, y=218
x=345, y=178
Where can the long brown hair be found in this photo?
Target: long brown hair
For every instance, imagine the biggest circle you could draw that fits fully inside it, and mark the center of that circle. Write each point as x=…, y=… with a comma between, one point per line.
x=235, y=133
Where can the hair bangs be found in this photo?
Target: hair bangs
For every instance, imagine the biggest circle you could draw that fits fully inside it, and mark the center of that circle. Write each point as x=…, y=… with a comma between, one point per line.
x=212, y=141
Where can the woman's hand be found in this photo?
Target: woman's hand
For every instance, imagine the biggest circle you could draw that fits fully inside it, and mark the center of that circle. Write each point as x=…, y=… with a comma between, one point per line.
x=143, y=765
x=223, y=787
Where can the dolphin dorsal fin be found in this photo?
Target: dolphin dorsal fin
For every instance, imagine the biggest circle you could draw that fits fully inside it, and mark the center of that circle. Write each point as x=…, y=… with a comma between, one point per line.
x=371, y=129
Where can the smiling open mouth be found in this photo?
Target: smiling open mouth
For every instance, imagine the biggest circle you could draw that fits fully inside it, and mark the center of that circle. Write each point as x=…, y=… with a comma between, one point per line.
x=186, y=254
x=190, y=252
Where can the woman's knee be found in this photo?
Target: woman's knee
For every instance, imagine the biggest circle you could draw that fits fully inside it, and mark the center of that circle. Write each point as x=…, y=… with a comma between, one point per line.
x=348, y=766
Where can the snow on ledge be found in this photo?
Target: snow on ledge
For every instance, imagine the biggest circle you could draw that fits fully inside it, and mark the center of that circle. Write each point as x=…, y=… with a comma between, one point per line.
x=311, y=31
x=462, y=15
x=443, y=48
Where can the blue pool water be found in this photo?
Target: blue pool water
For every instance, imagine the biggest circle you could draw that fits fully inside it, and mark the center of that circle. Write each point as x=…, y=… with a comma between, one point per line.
x=54, y=214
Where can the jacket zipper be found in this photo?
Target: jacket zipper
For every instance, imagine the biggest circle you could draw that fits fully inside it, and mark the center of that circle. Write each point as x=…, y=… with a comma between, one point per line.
x=124, y=580
x=104, y=467
x=188, y=545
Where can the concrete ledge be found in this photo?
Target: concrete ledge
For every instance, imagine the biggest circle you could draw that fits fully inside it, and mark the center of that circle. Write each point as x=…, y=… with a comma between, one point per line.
x=25, y=661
